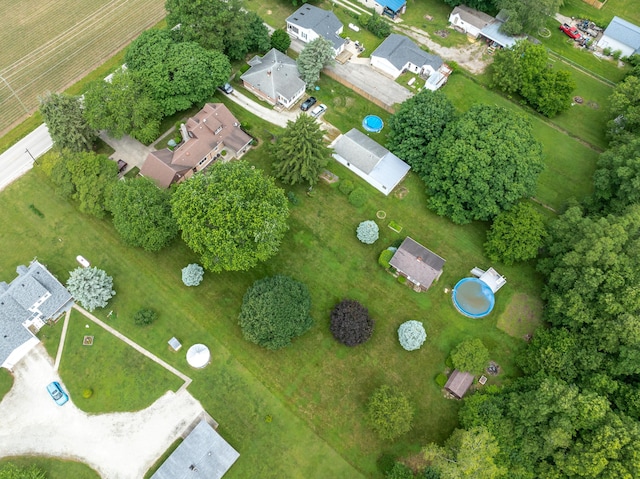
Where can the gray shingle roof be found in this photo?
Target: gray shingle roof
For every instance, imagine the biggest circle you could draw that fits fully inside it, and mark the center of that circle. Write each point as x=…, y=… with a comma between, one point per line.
x=417, y=262
x=399, y=50
x=275, y=73
x=474, y=17
x=323, y=22
x=31, y=285
x=625, y=32
x=203, y=453
x=360, y=150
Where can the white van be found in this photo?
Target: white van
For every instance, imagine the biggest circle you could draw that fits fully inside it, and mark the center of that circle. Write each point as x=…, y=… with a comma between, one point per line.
x=319, y=110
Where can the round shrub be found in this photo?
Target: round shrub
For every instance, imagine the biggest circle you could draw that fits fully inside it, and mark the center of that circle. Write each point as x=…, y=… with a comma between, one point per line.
x=411, y=335
x=384, y=258
x=389, y=412
x=346, y=187
x=471, y=356
x=192, y=274
x=441, y=379
x=350, y=323
x=274, y=311
x=358, y=197
x=402, y=279
x=399, y=471
x=144, y=317
x=368, y=232
x=87, y=393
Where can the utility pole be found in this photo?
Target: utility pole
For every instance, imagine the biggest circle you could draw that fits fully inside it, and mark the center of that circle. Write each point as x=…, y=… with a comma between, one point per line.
x=34, y=160
x=14, y=94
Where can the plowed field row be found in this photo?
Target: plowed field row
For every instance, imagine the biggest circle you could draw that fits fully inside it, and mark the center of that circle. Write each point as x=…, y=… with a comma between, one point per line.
x=68, y=51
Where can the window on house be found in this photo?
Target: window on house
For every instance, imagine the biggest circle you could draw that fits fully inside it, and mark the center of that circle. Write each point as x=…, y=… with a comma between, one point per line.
x=218, y=130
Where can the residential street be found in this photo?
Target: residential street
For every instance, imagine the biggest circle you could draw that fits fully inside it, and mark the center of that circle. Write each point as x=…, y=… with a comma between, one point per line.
x=18, y=159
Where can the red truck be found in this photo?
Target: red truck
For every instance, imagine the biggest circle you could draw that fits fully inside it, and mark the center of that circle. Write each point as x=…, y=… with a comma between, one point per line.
x=570, y=31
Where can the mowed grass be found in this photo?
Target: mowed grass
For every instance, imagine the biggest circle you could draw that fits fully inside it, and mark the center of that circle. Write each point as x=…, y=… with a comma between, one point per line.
x=6, y=381
x=53, y=468
x=49, y=46
x=569, y=163
x=121, y=378
x=627, y=9
x=315, y=390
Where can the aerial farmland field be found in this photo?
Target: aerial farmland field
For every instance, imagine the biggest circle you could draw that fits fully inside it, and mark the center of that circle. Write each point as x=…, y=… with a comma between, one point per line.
x=50, y=44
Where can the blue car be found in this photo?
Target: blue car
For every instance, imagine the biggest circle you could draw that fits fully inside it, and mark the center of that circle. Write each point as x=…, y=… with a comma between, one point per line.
x=57, y=394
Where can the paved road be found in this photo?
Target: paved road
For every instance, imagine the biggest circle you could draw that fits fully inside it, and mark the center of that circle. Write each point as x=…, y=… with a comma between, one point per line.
x=117, y=445
x=18, y=159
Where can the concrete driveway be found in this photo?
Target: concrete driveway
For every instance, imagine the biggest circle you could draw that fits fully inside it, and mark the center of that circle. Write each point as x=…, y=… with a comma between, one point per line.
x=127, y=149
x=117, y=445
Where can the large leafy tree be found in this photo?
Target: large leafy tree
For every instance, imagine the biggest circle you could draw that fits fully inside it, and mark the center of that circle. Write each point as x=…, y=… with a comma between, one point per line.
x=142, y=214
x=92, y=287
x=524, y=69
x=351, y=323
x=466, y=454
x=419, y=120
x=123, y=106
x=66, y=123
x=625, y=109
x=232, y=216
x=516, y=235
x=274, y=311
x=483, y=163
x=87, y=178
x=389, y=412
x=315, y=55
x=218, y=24
x=470, y=355
x=617, y=179
x=177, y=75
x=280, y=40
x=299, y=154
x=527, y=16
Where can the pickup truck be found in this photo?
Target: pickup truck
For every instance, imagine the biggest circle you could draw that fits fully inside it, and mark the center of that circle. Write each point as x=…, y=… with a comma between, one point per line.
x=570, y=31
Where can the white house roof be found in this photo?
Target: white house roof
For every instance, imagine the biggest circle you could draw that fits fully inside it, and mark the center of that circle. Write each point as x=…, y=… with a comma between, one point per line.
x=323, y=22
x=32, y=285
x=203, y=453
x=275, y=73
x=400, y=50
x=372, y=159
x=492, y=32
x=474, y=17
x=624, y=32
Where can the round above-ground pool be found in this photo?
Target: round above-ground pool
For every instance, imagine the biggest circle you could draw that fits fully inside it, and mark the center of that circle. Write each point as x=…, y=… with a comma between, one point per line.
x=473, y=297
x=372, y=123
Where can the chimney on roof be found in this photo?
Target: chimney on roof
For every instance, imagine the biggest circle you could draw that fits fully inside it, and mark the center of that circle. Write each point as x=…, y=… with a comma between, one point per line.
x=183, y=132
x=268, y=72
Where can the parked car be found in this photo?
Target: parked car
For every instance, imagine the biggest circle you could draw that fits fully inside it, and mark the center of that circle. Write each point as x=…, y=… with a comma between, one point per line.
x=227, y=88
x=57, y=394
x=319, y=110
x=122, y=165
x=308, y=103
x=570, y=31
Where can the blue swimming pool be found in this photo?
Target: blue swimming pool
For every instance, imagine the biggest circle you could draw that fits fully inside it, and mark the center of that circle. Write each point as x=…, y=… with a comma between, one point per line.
x=372, y=123
x=473, y=297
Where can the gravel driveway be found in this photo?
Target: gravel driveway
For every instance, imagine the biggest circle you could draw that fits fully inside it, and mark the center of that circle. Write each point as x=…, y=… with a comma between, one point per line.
x=117, y=445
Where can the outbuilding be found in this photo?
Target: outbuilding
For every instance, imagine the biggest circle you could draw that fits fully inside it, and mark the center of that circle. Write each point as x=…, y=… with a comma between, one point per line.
x=459, y=383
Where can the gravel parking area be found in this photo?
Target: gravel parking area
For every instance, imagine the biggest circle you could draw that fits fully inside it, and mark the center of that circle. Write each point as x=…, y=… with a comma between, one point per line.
x=118, y=445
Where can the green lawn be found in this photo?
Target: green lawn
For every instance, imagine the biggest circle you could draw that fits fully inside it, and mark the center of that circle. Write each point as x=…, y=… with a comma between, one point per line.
x=627, y=9
x=309, y=388
x=6, y=381
x=569, y=163
x=418, y=13
x=54, y=468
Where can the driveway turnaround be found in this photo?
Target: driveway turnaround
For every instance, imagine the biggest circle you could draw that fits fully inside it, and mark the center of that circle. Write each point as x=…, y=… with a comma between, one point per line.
x=116, y=445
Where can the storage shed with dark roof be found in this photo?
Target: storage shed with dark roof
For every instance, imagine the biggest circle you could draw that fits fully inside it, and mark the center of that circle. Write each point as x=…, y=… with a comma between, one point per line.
x=419, y=265
x=459, y=383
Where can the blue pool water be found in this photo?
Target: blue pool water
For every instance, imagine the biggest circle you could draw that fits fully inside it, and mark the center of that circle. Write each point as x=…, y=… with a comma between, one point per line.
x=372, y=123
x=473, y=297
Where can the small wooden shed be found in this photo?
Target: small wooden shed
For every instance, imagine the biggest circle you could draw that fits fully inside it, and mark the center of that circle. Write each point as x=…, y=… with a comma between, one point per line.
x=459, y=383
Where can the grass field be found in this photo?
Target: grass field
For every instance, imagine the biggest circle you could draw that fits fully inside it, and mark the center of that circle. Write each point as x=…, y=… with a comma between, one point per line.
x=6, y=381
x=48, y=46
x=627, y=9
x=54, y=468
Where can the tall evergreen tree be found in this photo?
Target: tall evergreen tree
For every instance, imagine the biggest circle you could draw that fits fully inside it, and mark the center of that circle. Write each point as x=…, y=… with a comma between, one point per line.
x=66, y=123
x=300, y=153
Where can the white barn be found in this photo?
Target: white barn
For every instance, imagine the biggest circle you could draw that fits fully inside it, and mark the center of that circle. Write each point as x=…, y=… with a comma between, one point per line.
x=369, y=160
x=621, y=35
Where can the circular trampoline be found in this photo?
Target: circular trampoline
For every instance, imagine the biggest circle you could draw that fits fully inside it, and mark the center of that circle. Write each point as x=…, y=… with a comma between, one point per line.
x=473, y=298
x=372, y=123
x=198, y=356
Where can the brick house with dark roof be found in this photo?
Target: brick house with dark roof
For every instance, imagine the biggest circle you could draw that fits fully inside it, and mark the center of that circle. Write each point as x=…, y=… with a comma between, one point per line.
x=204, y=136
x=26, y=304
x=419, y=265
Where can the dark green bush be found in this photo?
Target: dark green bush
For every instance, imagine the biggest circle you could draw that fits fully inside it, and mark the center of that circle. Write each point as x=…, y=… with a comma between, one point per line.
x=399, y=471
x=293, y=199
x=346, y=186
x=358, y=197
x=145, y=316
x=402, y=279
x=441, y=379
x=36, y=211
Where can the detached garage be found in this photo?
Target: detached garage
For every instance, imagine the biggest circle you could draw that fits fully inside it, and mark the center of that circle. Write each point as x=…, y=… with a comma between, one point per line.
x=369, y=160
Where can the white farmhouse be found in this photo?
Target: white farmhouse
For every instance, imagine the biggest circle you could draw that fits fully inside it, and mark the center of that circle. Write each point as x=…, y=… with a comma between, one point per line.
x=309, y=22
x=621, y=35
